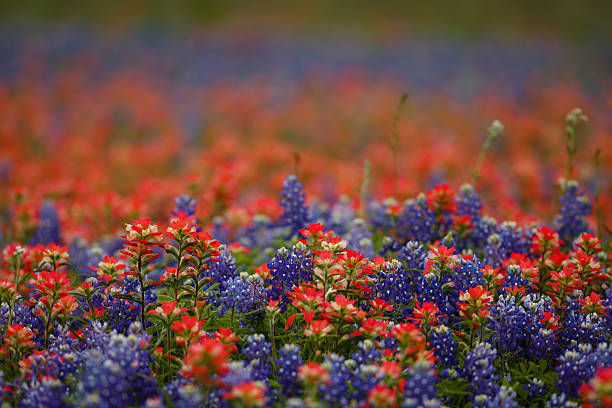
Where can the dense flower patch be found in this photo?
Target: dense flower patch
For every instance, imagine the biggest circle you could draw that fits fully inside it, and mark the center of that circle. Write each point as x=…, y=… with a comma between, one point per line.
x=430, y=302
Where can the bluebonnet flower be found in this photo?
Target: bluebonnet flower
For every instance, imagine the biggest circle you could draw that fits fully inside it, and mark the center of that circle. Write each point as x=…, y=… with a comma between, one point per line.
x=536, y=306
x=417, y=222
x=121, y=313
x=535, y=388
x=430, y=289
x=509, y=322
x=118, y=374
x=257, y=352
x=48, y=228
x=468, y=202
x=580, y=327
x=448, y=240
x=390, y=247
x=260, y=234
x=244, y=293
x=288, y=268
x=295, y=211
x=415, y=256
x=394, y=284
x=560, y=401
x=319, y=212
x=50, y=363
x=580, y=364
x=363, y=378
x=480, y=371
x=444, y=346
x=63, y=344
x=366, y=353
x=224, y=267
x=608, y=304
x=110, y=245
x=341, y=215
x=337, y=217
x=336, y=392
x=185, y=204
x=504, y=398
x=433, y=403
x=360, y=239
x=513, y=239
x=536, y=303
x=256, y=347
x=380, y=214
x=575, y=207
x=514, y=278
x=420, y=386
x=543, y=343
x=220, y=231
x=503, y=241
x=46, y=391
x=184, y=394
x=467, y=275
x=83, y=256
x=388, y=343
x=25, y=315
x=4, y=388
x=483, y=228
x=493, y=251
x=287, y=368
x=239, y=372
x=96, y=335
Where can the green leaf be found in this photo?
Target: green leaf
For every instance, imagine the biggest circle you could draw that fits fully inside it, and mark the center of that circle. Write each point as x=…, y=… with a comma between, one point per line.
x=131, y=298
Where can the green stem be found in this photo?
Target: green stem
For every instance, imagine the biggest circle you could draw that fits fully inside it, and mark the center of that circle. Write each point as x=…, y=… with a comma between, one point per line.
x=195, y=296
x=571, y=149
x=16, y=275
x=471, y=335
x=10, y=311
x=364, y=189
x=395, y=142
x=598, y=213
x=91, y=306
x=476, y=171
x=325, y=286
x=273, y=344
x=142, y=291
x=494, y=131
x=337, y=338
x=48, y=323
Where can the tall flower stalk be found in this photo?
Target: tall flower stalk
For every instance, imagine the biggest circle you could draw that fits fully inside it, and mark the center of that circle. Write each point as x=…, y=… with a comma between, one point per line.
x=139, y=243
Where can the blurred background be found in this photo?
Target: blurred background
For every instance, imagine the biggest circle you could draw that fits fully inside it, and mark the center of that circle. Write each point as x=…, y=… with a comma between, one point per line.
x=576, y=20
x=116, y=107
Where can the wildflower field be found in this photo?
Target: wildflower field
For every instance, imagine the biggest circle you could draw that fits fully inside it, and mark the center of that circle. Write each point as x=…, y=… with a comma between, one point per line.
x=236, y=231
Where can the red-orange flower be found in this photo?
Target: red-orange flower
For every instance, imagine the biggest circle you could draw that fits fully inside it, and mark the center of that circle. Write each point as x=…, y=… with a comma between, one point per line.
x=249, y=394
x=313, y=373
x=206, y=360
x=382, y=397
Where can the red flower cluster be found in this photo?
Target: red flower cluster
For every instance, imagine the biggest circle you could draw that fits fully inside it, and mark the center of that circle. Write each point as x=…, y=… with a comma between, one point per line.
x=206, y=360
x=474, y=305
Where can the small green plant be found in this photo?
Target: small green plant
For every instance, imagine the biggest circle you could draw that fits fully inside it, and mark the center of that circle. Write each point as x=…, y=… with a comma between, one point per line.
x=365, y=183
x=395, y=142
x=573, y=119
x=494, y=131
